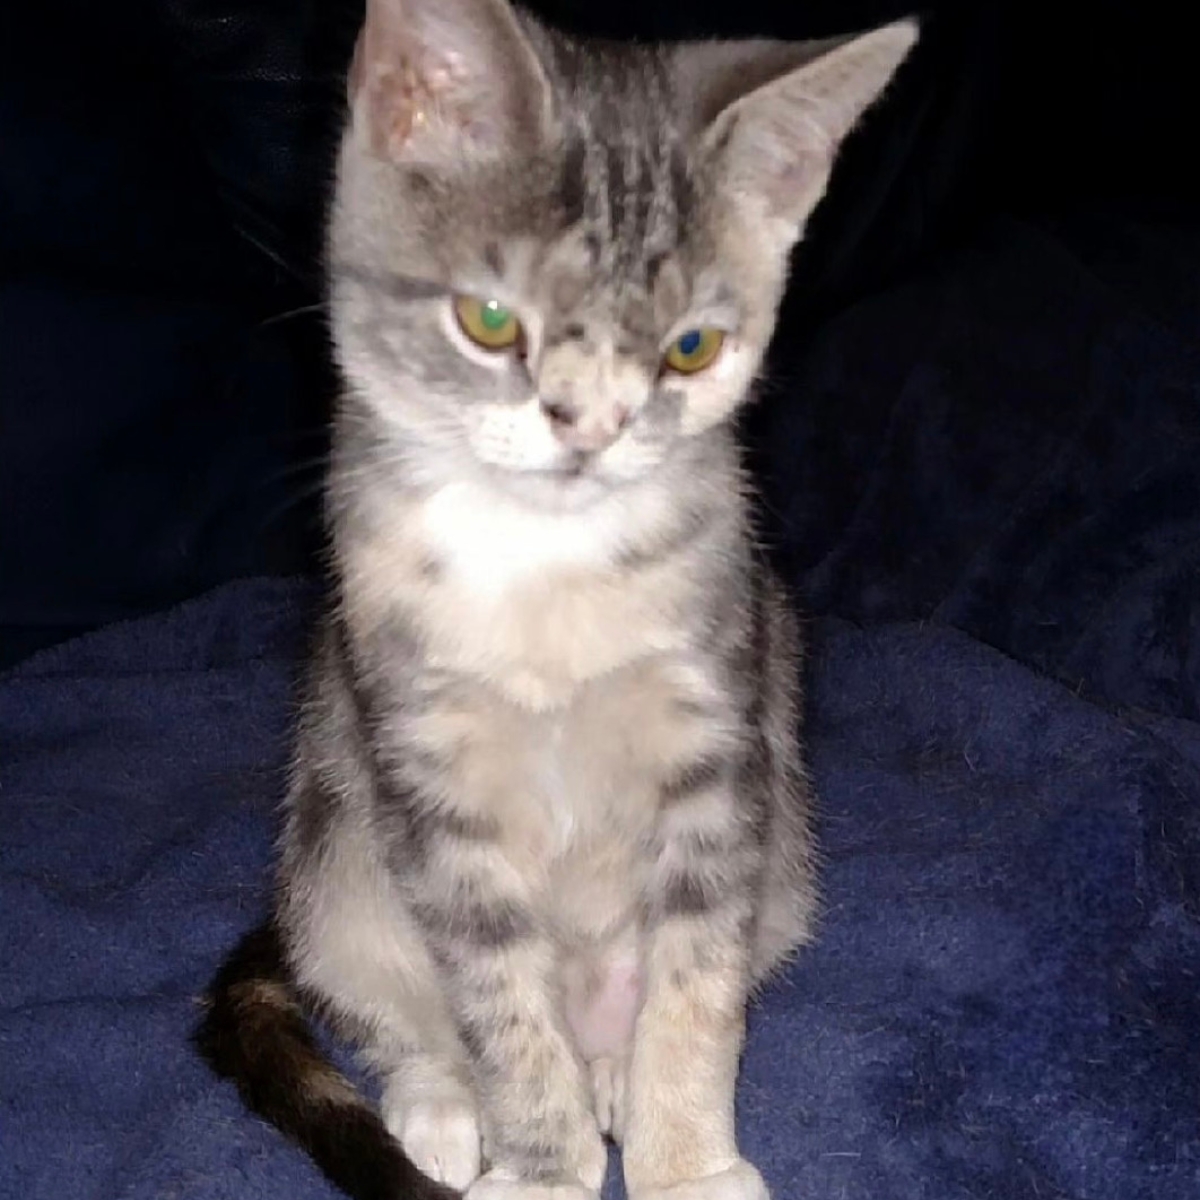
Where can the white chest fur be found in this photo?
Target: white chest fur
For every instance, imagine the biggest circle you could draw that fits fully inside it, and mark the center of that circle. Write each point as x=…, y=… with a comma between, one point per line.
x=534, y=601
x=492, y=544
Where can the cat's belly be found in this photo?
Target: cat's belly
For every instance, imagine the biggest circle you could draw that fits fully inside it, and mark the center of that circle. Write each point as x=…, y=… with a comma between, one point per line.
x=602, y=993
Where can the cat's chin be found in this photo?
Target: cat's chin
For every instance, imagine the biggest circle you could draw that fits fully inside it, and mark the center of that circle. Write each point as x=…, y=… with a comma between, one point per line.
x=553, y=490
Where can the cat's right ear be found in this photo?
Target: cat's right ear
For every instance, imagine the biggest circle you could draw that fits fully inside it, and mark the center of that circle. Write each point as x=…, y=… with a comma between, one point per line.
x=773, y=114
x=436, y=83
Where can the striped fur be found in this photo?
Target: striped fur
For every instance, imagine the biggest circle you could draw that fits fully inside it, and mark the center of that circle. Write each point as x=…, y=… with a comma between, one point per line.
x=548, y=824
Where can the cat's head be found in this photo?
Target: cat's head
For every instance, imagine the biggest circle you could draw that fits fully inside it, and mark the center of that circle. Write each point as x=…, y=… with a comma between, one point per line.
x=557, y=265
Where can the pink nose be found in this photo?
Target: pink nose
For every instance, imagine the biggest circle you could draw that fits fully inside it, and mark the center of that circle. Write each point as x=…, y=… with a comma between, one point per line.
x=591, y=432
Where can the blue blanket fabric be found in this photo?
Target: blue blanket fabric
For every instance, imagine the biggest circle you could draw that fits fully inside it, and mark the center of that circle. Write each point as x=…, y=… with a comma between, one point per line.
x=1003, y=1002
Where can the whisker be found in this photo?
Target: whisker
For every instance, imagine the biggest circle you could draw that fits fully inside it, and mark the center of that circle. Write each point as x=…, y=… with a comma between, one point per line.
x=303, y=310
x=309, y=279
x=290, y=503
x=298, y=468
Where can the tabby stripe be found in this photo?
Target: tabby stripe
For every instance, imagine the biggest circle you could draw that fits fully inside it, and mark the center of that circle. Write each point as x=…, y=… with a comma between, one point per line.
x=486, y=926
x=467, y=827
x=697, y=776
x=707, y=880
x=690, y=894
x=404, y=288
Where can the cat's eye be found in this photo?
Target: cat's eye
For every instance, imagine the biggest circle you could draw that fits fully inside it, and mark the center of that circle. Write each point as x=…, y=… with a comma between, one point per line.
x=694, y=350
x=487, y=322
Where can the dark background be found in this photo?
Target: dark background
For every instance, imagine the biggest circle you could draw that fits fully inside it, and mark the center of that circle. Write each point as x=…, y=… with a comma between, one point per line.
x=983, y=406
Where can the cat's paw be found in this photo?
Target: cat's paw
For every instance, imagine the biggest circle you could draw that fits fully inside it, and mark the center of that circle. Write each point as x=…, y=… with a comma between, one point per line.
x=738, y=1182
x=496, y=1185
x=442, y=1139
x=608, y=1095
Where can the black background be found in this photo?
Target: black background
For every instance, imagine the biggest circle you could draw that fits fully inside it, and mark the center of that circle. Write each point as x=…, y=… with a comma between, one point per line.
x=163, y=371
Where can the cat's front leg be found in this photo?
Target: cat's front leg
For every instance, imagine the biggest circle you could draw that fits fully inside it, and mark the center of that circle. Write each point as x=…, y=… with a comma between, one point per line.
x=679, y=1141
x=540, y=1135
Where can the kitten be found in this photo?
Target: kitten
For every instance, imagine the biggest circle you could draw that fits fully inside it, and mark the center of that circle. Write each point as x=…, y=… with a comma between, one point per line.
x=548, y=825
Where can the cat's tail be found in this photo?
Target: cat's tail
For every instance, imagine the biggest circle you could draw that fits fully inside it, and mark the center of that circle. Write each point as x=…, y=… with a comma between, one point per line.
x=255, y=1032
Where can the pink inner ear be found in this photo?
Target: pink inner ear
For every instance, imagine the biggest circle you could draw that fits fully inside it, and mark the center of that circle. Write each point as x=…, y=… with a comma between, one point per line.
x=392, y=84
x=413, y=103
x=391, y=108
x=788, y=157
x=434, y=81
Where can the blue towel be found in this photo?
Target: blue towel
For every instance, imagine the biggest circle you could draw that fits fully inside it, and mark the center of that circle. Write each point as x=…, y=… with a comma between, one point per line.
x=1004, y=1001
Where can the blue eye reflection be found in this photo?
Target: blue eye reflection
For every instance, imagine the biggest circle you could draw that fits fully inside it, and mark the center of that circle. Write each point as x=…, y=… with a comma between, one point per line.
x=689, y=342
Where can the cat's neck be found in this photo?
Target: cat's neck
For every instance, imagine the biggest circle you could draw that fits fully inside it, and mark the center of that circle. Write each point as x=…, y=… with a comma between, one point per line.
x=492, y=534
x=538, y=601
x=493, y=542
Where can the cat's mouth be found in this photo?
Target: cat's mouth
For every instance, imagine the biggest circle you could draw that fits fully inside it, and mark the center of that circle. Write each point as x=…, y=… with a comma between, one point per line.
x=573, y=481
x=577, y=464
x=572, y=466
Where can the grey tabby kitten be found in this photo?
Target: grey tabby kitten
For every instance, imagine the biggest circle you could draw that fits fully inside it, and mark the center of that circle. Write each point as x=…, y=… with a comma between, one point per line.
x=548, y=825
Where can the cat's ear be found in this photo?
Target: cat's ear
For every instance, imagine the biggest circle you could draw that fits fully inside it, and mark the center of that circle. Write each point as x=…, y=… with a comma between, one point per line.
x=777, y=113
x=440, y=82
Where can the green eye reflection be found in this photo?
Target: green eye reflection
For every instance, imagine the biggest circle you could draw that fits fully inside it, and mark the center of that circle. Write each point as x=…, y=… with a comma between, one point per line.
x=487, y=322
x=694, y=350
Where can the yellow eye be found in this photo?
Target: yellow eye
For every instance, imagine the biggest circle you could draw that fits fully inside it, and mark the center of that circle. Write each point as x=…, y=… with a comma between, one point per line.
x=487, y=322
x=694, y=350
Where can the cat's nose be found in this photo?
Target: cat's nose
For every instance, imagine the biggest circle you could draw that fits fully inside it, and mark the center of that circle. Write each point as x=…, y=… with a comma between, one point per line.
x=587, y=430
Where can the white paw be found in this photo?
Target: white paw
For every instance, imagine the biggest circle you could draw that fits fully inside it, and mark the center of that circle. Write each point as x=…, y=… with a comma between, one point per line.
x=496, y=1185
x=608, y=1096
x=738, y=1182
x=442, y=1139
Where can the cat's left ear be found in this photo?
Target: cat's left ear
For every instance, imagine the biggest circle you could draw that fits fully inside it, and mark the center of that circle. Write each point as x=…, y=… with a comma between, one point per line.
x=778, y=124
x=436, y=83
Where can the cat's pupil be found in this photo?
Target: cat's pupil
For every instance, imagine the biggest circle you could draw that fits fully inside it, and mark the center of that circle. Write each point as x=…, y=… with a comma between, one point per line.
x=689, y=343
x=493, y=316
